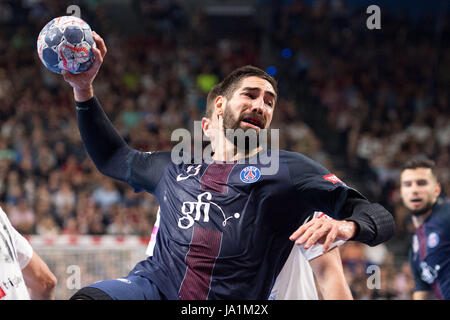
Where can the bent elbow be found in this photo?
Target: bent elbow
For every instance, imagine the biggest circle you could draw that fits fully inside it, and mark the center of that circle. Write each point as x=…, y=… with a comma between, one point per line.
x=48, y=283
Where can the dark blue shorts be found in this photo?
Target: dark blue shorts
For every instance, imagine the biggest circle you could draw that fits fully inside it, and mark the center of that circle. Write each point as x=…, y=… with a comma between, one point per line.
x=131, y=287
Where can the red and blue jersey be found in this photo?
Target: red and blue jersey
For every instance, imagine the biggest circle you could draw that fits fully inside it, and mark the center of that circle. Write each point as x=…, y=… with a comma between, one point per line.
x=224, y=228
x=429, y=254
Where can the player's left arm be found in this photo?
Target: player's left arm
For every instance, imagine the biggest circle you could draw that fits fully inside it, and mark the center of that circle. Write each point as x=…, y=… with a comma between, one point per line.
x=39, y=279
x=361, y=220
x=330, y=277
x=369, y=223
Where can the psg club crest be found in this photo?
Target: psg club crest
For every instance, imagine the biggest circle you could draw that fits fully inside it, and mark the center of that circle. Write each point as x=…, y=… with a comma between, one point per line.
x=433, y=240
x=250, y=174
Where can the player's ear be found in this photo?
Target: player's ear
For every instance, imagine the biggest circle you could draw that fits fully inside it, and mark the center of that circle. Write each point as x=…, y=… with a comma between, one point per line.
x=206, y=126
x=219, y=104
x=437, y=190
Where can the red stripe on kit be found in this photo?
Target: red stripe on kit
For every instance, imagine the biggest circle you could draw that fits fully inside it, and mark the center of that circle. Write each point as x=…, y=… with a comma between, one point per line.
x=204, y=249
x=216, y=176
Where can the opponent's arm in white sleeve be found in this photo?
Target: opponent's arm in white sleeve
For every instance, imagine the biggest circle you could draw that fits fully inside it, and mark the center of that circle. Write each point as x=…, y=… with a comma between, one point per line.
x=327, y=266
x=296, y=279
x=330, y=277
x=38, y=277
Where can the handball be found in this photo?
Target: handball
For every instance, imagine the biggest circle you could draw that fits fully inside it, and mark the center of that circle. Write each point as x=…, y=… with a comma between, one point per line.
x=65, y=43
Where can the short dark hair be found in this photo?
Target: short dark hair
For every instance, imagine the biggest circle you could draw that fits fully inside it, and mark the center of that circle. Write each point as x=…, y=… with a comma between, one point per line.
x=228, y=85
x=420, y=161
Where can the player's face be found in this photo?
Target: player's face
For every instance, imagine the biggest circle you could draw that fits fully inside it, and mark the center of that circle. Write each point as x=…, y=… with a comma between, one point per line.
x=251, y=105
x=419, y=189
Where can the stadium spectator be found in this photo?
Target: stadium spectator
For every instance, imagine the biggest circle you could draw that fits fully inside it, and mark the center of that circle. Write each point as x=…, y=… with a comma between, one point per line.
x=22, y=216
x=106, y=195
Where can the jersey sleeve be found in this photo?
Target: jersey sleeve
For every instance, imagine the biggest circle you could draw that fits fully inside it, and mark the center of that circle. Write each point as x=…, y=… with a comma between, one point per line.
x=319, y=188
x=110, y=153
x=23, y=248
x=20, y=246
x=323, y=191
x=145, y=169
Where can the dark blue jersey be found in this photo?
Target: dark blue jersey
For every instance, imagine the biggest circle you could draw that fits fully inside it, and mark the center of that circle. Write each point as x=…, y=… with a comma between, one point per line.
x=224, y=228
x=429, y=255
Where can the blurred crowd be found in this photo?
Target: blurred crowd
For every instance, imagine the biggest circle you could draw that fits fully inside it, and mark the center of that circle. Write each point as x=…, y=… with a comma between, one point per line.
x=382, y=95
x=374, y=98
x=360, y=102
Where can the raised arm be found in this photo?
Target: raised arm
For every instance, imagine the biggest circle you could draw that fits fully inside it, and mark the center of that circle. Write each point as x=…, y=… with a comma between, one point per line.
x=110, y=153
x=105, y=146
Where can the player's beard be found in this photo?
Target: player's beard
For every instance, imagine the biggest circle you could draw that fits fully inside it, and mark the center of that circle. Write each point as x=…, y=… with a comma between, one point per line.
x=422, y=211
x=231, y=122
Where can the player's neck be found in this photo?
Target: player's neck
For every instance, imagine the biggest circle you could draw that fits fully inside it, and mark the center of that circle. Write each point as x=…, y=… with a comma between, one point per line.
x=228, y=152
x=419, y=220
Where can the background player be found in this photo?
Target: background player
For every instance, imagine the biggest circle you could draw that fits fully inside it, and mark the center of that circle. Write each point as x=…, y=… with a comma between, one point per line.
x=21, y=267
x=430, y=250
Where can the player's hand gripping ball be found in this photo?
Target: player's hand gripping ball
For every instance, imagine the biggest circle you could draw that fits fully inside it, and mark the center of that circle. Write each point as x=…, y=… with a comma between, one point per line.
x=65, y=43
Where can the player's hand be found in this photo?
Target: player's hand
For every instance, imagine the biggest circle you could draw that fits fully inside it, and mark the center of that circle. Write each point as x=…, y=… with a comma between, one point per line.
x=325, y=231
x=82, y=82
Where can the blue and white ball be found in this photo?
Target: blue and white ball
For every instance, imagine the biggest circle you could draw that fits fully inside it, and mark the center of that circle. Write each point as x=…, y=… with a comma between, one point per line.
x=66, y=43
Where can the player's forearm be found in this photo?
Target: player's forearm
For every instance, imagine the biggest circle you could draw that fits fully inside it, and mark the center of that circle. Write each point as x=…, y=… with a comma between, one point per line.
x=333, y=286
x=330, y=276
x=42, y=294
x=104, y=145
x=39, y=279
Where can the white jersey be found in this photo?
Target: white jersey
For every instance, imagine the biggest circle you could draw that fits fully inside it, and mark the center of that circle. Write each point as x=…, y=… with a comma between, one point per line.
x=296, y=279
x=15, y=254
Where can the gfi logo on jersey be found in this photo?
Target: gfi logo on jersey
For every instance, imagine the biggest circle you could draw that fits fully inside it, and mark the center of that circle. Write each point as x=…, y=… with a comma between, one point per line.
x=250, y=174
x=200, y=208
